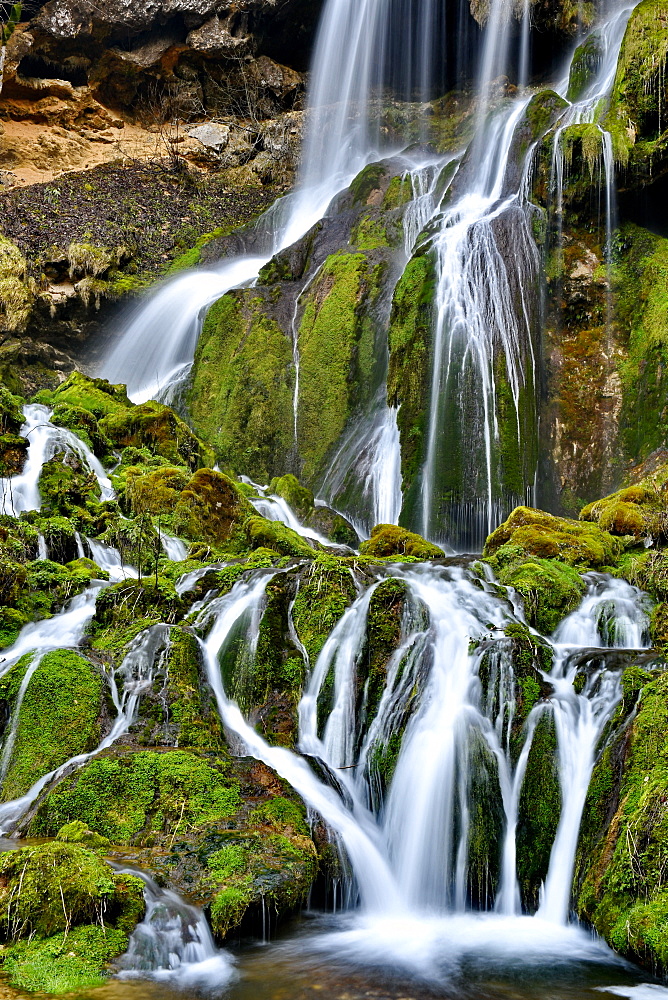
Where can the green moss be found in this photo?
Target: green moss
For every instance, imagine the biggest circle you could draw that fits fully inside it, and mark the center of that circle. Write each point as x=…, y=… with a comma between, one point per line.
x=84, y=424
x=55, y=965
x=59, y=718
x=299, y=497
x=138, y=798
x=325, y=591
x=277, y=536
x=642, y=283
x=586, y=61
x=337, y=357
x=535, y=533
x=389, y=540
x=78, y=833
x=47, y=889
x=212, y=508
x=399, y=193
x=621, y=889
x=634, y=118
x=192, y=256
x=549, y=589
x=159, y=429
x=410, y=338
x=242, y=384
x=96, y=395
x=384, y=632
x=281, y=813
x=541, y=112
x=16, y=292
x=67, y=487
x=372, y=233
x=539, y=809
x=187, y=701
x=368, y=180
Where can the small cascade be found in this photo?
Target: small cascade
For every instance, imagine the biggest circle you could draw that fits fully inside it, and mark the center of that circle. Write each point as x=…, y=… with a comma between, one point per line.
x=64, y=631
x=275, y=508
x=189, y=581
x=21, y=493
x=174, y=548
x=359, y=832
x=611, y=616
x=109, y=559
x=173, y=942
x=42, y=550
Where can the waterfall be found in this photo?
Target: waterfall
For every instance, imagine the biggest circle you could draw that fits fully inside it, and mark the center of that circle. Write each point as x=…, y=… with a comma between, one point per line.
x=45, y=441
x=173, y=942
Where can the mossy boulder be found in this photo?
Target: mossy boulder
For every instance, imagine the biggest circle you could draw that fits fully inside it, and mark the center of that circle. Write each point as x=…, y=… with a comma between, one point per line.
x=159, y=429
x=212, y=508
x=638, y=510
x=156, y=491
x=624, y=847
x=224, y=831
x=240, y=396
x=388, y=540
x=536, y=533
x=58, y=718
x=299, y=497
x=549, y=589
x=96, y=395
x=68, y=488
x=85, y=425
x=66, y=915
x=539, y=811
x=276, y=536
x=333, y=526
x=143, y=797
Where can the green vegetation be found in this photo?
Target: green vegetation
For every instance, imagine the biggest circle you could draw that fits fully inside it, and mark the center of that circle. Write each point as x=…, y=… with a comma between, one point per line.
x=66, y=915
x=387, y=540
x=134, y=798
x=241, y=388
x=58, y=718
x=531, y=532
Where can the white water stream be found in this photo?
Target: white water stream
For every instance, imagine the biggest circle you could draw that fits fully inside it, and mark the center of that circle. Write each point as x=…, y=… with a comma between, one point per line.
x=45, y=441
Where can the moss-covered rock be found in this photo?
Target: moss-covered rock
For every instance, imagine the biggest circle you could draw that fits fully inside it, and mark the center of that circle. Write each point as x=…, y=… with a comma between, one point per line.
x=549, y=589
x=159, y=429
x=624, y=850
x=410, y=344
x=635, y=119
x=299, y=497
x=95, y=395
x=388, y=540
x=277, y=536
x=16, y=290
x=212, y=508
x=539, y=810
x=325, y=590
x=241, y=389
x=336, y=341
x=13, y=448
x=85, y=425
x=535, y=533
x=139, y=798
x=58, y=717
x=637, y=510
x=66, y=914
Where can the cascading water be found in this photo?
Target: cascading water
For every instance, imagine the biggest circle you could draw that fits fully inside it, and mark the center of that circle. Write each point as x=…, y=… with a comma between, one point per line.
x=173, y=942
x=45, y=441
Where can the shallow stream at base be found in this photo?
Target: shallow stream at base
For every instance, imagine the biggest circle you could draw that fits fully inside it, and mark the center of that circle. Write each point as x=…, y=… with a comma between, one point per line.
x=472, y=957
